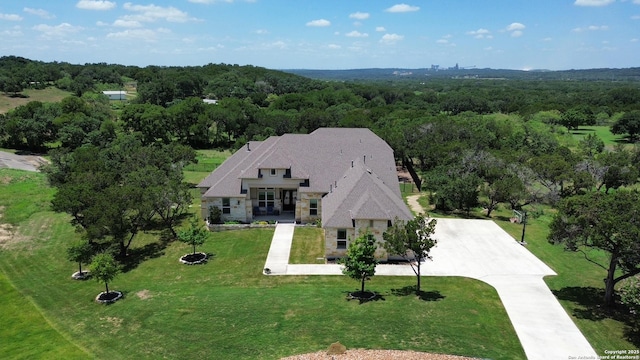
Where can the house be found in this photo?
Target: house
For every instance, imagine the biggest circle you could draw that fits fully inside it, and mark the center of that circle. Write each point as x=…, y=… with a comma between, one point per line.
x=116, y=94
x=344, y=178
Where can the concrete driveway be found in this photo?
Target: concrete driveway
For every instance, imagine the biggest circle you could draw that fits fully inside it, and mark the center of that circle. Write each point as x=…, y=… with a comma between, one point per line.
x=481, y=250
x=21, y=162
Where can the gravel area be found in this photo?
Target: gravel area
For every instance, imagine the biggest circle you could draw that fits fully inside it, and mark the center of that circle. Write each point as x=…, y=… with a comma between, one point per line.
x=375, y=355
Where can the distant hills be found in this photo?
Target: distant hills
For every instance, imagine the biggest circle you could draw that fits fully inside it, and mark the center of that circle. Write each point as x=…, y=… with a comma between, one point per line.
x=387, y=74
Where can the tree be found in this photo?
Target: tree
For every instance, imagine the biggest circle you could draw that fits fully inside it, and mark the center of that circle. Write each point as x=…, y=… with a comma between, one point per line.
x=629, y=123
x=80, y=252
x=360, y=262
x=104, y=268
x=608, y=222
x=194, y=235
x=412, y=240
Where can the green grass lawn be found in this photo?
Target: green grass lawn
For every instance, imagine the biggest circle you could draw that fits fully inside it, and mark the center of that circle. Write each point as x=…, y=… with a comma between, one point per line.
x=307, y=246
x=604, y=132
x=208, y=160
x=50, y=94
x=226, y=309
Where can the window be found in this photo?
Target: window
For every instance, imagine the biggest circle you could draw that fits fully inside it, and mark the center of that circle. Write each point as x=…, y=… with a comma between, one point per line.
x=389, y=224
x=266, y=197
x=272, y=172
x=313, y=206
x=342, y=239
x=226, y=206
x=370, y=223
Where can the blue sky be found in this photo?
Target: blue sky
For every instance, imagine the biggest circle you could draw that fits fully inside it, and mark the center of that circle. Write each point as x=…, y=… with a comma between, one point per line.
x=327, y=34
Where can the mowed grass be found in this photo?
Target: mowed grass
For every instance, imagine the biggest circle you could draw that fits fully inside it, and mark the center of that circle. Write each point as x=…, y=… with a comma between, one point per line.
x=603, y=132
x=26, y=334
x=208, y=160
x=50, y=94
x=227, y=309
x=307, y=246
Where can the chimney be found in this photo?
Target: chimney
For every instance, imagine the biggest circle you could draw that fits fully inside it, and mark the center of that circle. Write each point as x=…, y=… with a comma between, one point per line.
x=364, y=160
x=248, y=147
x=330, y=188
x=351, y=163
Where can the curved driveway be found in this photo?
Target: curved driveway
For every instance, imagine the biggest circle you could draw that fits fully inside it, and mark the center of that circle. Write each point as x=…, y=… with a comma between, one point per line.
x=478, y=249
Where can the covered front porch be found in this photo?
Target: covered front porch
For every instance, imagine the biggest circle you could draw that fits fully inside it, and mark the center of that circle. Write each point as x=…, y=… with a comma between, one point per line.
x=268, y=204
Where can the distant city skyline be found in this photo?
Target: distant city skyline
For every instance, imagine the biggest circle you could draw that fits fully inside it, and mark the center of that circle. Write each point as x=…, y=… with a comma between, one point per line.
x=328, y=34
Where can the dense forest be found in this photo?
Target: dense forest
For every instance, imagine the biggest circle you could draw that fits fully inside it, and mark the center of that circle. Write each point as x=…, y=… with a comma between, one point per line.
x=486, y=131
x=476, y=140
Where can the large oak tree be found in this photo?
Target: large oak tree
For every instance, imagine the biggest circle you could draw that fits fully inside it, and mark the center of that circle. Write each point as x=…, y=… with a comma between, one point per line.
x=609, y=222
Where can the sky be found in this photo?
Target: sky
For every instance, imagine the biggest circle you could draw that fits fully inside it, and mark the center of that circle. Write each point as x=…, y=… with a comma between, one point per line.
x=327, y=34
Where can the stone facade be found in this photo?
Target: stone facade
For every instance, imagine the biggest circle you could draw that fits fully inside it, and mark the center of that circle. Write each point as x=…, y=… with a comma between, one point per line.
x=375, y=227
x=303, y=207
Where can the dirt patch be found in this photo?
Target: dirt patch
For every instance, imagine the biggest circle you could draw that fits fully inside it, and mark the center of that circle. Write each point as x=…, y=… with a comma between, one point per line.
x=144, y=294
x=114, y=322
x=6, y=232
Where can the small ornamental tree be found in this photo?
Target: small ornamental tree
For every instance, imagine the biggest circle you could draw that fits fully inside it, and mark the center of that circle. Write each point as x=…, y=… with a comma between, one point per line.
x=194, y=235
x=80, y=252
x=104, y=268
x=412, y=240
x=360, y=262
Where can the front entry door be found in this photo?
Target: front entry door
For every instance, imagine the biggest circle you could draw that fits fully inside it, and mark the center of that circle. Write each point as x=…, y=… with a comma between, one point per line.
x=289, y=200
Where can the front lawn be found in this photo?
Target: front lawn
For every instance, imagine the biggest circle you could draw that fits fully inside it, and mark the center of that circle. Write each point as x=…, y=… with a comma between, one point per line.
x=227, y=309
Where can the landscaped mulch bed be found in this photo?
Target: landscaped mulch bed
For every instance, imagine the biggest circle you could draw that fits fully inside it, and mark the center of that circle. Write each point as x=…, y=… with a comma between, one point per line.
x=359, y=354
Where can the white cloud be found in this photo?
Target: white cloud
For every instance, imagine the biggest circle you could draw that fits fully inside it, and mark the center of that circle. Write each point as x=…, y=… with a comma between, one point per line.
x=442, y=41
x=591, y=28
x=515, y=26
x=391, y=38
x=319, y=23
x=63, y=29
x=356, y=34
x=334, y=46
x=593, y=2
x=380, y=29
x=127, y=23
x=359, y=15
x=10, y=17
x=261, y=32
x=634, y=40
x=480, y=34
x=151, y=13
x=209, y=1
x=401, y=8
x=635, y=17
x=95, y=5
x=135, y=34
x=516, y=33
x=39, y=12
x=15, y=32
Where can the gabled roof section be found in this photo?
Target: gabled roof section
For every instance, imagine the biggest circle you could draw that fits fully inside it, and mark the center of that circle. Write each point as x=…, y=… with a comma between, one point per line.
x=361, y=194
x=225, y=179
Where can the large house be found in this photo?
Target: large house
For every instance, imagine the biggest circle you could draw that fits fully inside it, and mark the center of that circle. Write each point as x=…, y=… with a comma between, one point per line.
x=344, y=178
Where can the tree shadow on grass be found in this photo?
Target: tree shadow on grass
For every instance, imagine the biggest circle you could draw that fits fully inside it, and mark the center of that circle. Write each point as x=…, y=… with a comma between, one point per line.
x=138, y=255
x=588, y=304
x=422, y=295
x=363, y=298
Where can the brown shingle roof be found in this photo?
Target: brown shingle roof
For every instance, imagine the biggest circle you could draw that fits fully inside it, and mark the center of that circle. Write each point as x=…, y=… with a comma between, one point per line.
x=322, y=157
x=361, y=194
